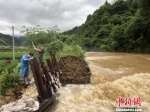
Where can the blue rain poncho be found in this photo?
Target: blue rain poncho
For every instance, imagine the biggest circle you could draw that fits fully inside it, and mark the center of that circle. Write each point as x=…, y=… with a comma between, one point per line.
x=24, y=66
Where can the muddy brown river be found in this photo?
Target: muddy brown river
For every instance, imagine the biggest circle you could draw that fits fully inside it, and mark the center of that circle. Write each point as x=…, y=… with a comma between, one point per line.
x=117, y=80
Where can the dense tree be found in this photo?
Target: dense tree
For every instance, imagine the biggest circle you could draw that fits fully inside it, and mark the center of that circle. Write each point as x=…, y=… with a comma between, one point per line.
x=123, y=26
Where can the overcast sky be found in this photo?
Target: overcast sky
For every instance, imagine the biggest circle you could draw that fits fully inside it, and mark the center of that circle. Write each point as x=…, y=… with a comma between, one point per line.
x=66, y=14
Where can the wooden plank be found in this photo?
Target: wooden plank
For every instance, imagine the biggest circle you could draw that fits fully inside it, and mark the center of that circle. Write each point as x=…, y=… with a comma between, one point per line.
x=46, y=103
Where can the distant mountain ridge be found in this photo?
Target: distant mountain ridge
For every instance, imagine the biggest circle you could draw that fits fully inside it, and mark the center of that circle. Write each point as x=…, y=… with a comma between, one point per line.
x=6, y=40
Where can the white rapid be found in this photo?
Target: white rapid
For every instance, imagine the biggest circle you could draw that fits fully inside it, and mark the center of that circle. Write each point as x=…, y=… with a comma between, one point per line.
x=113, y=75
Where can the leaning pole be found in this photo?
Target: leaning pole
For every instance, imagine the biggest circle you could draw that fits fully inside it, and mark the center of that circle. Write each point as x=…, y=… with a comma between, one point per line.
x=13, y=42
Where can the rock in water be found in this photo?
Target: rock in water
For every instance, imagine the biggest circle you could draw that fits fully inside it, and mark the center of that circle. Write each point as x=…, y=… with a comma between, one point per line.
x=74, y=70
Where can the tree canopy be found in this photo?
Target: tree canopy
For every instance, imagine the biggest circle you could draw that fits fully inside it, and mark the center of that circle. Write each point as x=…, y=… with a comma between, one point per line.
x=123, y=26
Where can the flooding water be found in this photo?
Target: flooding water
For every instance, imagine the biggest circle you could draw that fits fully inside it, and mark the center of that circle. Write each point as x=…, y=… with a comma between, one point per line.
x=113, y=75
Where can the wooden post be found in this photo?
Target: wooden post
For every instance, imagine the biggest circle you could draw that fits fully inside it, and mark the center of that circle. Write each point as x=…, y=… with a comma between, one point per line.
x=51, y=70
x=13, y=42
x=47, y=100
x=55, y=65
x=41, y=86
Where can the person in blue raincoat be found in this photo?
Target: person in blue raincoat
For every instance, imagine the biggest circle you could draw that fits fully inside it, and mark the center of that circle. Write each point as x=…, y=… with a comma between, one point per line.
x=24, y=66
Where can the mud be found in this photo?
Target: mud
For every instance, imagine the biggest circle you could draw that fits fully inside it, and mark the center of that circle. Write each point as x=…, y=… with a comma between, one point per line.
x=74, y=70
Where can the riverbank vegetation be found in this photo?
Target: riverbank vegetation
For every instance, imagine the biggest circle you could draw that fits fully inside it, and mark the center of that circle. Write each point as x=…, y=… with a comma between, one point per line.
x=9, y=70
x=9, y=79
x=119, y=27
x=54, y=42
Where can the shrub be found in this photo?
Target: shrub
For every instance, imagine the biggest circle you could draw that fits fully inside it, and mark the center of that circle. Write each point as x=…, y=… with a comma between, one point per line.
x=2, y=65
x=105, y=48
x=55, y=46
x=8, y=80
x=12, y=65
x=74, y=50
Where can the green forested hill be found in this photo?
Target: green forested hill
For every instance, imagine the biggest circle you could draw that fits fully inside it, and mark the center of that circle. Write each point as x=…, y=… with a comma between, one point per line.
x=6, y=40
x=123, y=26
